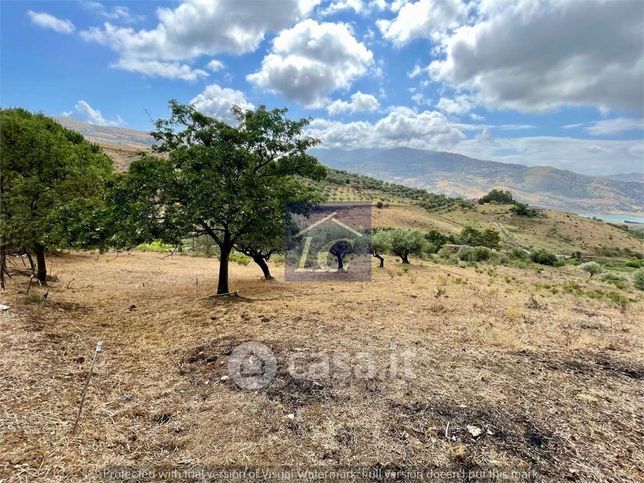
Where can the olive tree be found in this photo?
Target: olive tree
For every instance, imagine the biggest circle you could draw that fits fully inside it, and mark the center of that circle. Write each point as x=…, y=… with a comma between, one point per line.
x=407, y=242
x=380, y=244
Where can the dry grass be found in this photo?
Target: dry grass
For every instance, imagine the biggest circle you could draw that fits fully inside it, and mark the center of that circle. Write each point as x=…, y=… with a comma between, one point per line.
x=556, y=387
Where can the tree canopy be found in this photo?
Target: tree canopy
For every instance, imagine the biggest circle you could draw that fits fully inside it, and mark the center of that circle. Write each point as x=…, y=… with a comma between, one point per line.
x=212, y=178
x=50, y=177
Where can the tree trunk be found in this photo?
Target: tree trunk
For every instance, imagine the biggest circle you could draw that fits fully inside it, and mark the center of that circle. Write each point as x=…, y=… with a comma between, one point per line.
x=31, y=260
x=340, y=262
x=405, y=258
x=40, y=261
x=224, y=253
x=259, y=260
x=382, y=260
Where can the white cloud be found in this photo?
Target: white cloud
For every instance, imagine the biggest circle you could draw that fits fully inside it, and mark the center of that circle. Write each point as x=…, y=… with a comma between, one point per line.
x=217, y=102
x=423, y=19
x=215, y=65
x=90, y=115
x=535, y=56
x=196, y=28
x=47, y=21
x=118, y=13
x=340, y=5
x=311, y=60
x=153, y=68
x=402, y=127
x=458, y=105
x=360, y=102
x=615, y=126
x=592, y=157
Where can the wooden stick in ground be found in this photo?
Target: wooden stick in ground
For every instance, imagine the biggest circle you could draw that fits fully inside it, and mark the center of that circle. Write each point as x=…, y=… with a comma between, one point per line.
x=99, y=345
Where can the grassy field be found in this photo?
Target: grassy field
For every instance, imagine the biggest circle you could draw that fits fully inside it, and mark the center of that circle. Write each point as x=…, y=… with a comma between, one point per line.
x=550, y=375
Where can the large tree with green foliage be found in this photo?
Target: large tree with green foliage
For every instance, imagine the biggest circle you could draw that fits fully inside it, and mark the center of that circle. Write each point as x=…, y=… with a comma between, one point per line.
x=407, y=242
x=216, y=179
x=46, y=170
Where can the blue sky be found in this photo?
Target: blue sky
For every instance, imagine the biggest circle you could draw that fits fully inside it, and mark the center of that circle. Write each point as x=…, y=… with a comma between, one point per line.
x=528, y=81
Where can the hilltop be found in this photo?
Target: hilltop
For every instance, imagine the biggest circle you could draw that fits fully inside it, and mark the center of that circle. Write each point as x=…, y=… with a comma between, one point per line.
x=457, y=175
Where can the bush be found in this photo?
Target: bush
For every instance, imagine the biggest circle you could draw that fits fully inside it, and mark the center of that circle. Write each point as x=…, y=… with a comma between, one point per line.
x=593, y=268
x=638, y=278
x=380, y=205
x=474, y=254
x=497, y=196
x=473, y=237
x=570, y=286
x=437, y=239
x=617, y=280
x=634, y=263
x=618, y=299
x=544, y=257
x=239, y=258
x=521, y=209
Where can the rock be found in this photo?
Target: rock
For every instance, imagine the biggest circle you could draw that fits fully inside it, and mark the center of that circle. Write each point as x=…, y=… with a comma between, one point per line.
x=291, y=416
x=475, y=431
x=4, y=307
x=223, y=378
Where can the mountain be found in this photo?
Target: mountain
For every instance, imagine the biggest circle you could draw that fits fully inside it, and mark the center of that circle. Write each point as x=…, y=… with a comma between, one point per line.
x=457, y=175
x=639, y=177
x=440, y=172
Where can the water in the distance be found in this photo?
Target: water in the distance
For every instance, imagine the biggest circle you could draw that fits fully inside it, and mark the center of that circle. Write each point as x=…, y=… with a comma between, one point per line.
x=615, y=218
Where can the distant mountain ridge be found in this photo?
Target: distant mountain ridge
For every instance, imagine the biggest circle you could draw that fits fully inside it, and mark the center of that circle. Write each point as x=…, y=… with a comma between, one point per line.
x=457, y=175
x=440, y=172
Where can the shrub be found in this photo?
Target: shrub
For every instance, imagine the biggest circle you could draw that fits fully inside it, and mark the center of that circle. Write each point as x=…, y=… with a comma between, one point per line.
x=521, y=209
x=487, y=238
x=617, y=280
x=497, y=196
x=437, y=239
x=544, y=257
x=638, y=278
x=518, y=254
x=474, y=254
x=593, y=268
x=618, y=299
x=570, y=286
x=239, y=258
x=380, y=205
x=634, y=262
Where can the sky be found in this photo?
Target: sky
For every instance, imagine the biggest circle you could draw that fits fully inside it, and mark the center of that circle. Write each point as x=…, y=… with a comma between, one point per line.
x=534, y=82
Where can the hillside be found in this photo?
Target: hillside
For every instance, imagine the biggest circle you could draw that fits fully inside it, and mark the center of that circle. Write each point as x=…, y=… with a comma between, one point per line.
x=439, y=172
x=456, y=175
x=408, y=206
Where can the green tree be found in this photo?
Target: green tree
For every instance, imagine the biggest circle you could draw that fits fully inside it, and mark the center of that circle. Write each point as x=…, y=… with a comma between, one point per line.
x=215, y=179
x=437, y=239
x=497, y=196
x=522, y=209
x=51, y=182
x=593, y=268
x=380, y=244
x=407, y=242
x=268, y=233
x=487, y=238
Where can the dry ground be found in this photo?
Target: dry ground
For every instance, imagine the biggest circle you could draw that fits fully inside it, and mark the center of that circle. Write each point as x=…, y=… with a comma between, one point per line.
x=555, y=386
